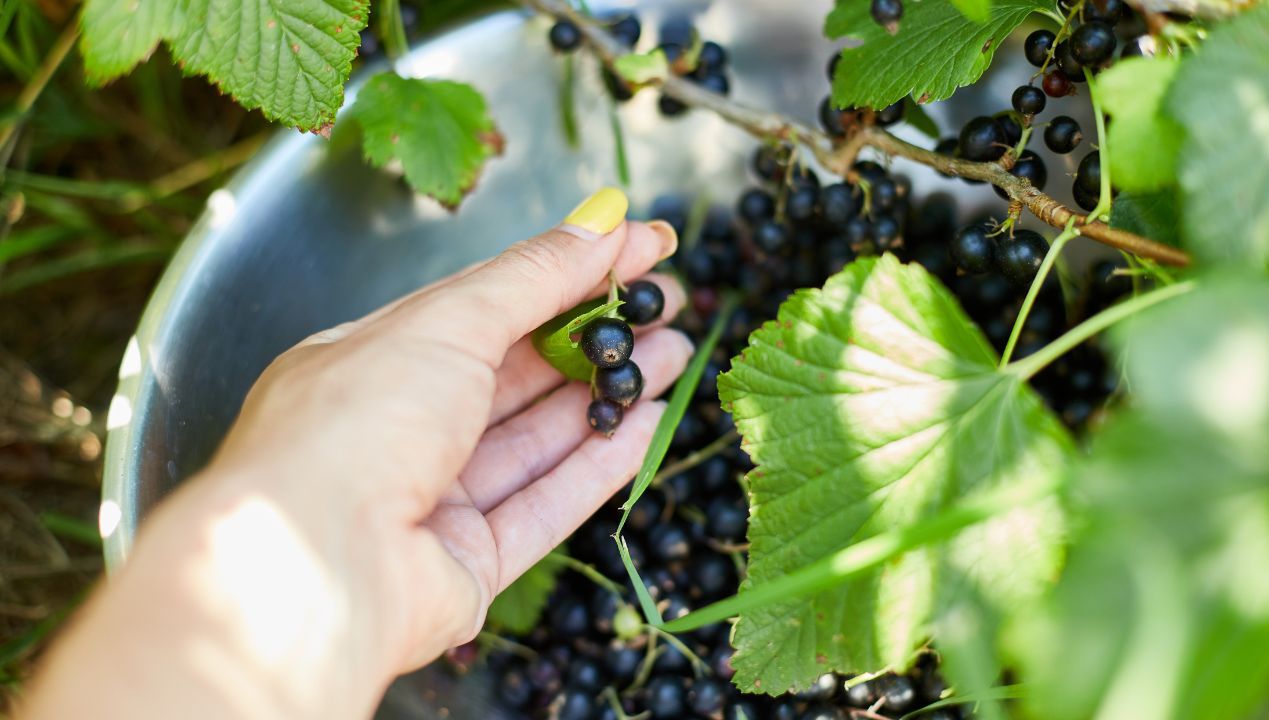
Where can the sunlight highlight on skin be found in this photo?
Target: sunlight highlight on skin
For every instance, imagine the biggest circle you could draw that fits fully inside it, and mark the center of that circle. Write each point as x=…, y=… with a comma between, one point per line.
x=267, y=562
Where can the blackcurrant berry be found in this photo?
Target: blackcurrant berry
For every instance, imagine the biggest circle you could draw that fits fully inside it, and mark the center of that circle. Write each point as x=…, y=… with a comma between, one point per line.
x=1038, y=45
x=884, y=194
x=948, y=146
x=767, y=165
x=1067, y=62
x=1063, y=134
x=1107, y=11
x=1085, y=199
x=869, y=170
x=586, y=674
x=622, y=662
x=666, y=698
x=514, y=689
x=1029, y=166
x=973, y=250
x=643, y=302
x=1011, y=129
x=621, y=384
x=627, y=30
x=887, y=14
x=670, y=107
x=771, y=236
x=899, y=693
x=822, y=689
x=707, y=697
x=617, y=87
x=565, y=36
x=678, y=30
x=604, y=416
x=573, y=705
x=713, y=575
x=712, y=57
x=1056, y=85
x=1029, y=100
x=1019, y=257
x=831, y=118
x=886, y=232
x=838, y=203
x=889, y=115
x=607, y=342
x=982, y=139
x=1089, y=174
x=1092, y=43
x=800, y=204
x=755, y=205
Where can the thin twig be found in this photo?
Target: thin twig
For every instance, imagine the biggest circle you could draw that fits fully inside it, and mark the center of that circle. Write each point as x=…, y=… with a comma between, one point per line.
x=1192, y=8
x=838, y=160
x=698, y=457
x=40, y=79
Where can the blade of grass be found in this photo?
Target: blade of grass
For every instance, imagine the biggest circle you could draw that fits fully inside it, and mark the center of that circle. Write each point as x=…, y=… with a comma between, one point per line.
x=1004, y=692
x=651, y=615
x=619, y=146
x=391, y=28
x=863, y=556
x=88, y=260
x=679, y=399
x=26, y=242
x=31, y=92
x=71, y=528
x=568, y=103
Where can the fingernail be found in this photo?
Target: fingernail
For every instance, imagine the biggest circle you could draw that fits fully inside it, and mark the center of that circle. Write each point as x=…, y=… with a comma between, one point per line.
x=600, y=213
x=668, y=235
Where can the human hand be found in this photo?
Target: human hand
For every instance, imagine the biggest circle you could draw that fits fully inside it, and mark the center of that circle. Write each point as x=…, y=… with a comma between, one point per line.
x=388, y=477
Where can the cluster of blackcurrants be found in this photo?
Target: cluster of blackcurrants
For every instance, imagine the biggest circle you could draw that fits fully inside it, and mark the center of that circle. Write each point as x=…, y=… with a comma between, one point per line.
x=683, y=535
x=607, y=342
x=702, y=62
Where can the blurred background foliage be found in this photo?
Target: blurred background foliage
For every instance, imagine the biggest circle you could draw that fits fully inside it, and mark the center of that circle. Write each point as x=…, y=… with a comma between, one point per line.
x=97, y=188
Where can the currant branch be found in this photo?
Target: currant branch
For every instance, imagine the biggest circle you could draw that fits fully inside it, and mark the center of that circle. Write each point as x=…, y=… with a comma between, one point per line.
x=838, y=160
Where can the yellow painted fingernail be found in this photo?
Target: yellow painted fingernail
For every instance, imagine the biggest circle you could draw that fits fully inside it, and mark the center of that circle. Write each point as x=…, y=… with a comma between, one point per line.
x=600, y=213
x=668, y=235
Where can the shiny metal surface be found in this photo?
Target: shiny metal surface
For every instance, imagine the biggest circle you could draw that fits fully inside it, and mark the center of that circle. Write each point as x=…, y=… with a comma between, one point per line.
x=308, y=236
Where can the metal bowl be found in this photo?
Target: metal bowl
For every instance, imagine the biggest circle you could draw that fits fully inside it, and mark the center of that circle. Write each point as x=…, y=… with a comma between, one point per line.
x=307, y=236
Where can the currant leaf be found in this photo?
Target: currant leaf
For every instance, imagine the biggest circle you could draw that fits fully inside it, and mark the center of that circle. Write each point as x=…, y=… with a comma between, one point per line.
x=517, y=609
x=1221, y=97
x=1149, y=214
x=1176, y=498
x=554, y=339
x=870, y=405
x=439, y=130
x=118, y=34
x=942, y=50
x=1144, y=140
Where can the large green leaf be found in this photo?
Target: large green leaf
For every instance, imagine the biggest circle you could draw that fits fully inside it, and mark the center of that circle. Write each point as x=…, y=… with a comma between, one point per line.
x=1221, y=97
x=1143, y=141
x=118, y=34
x=1164, y=609
x=1152, y=215
x=936, y=50
x=869, y=405
x=439, y=130
x=289, y=58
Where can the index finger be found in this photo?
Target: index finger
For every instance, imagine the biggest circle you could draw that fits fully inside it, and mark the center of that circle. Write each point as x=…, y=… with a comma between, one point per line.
x=489, y=309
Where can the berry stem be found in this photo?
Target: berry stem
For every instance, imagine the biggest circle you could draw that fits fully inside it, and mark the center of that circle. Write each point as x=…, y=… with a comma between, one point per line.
x=1034, y=291
x=696, y=458
x=1103, y=200
x=768, y=125
x=392, y=28
x=1032, y=364
x=584, y=569
x=698, y=666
